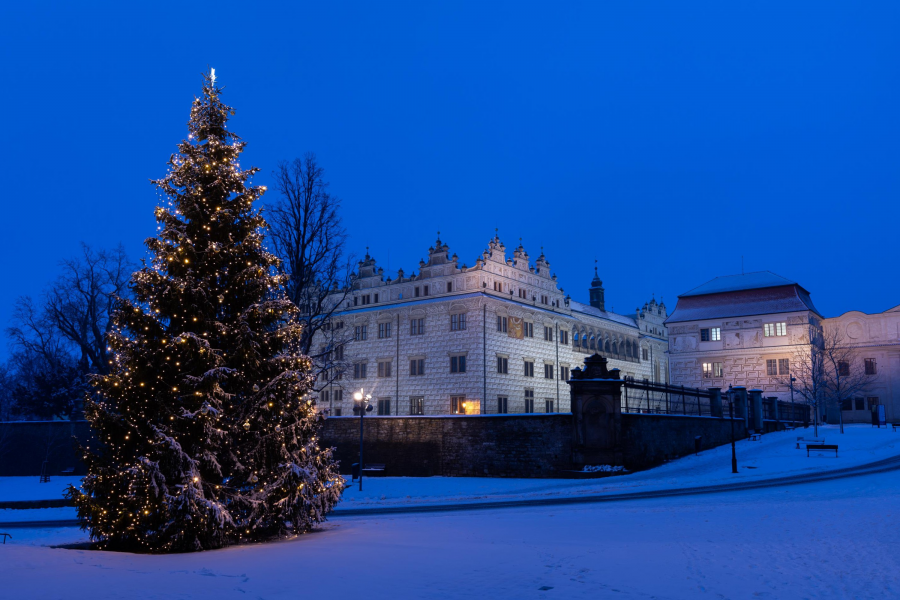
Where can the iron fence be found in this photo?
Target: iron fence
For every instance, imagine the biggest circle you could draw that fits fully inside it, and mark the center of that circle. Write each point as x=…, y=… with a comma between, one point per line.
x=662, y=399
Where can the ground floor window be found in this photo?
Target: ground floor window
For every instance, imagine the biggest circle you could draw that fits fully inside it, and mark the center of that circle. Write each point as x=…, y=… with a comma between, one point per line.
x=860, y=403
x=502, y=405
x=458, y=405
x=529, y=401
x=548, y=406
x=384, y=406
x=847, y=404
x=417, y=405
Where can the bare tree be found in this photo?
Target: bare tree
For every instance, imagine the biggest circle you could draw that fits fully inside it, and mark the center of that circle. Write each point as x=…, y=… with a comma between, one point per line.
x=807, y=367
x=845, y=375
x=79, y=303
x=308, y=235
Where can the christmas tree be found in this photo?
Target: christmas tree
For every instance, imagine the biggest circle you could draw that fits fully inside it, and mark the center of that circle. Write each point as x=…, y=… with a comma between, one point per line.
x=205, y=433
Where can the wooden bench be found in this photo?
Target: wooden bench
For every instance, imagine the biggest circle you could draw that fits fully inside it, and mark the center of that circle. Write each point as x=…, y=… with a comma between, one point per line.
x=755, y=437
x=802, y=440
x=822, y=447
x=369, y=469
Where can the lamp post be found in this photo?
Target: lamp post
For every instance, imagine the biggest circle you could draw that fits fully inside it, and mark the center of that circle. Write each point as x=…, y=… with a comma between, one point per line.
x=730, y=395
x=793, y=410
x=362, y=406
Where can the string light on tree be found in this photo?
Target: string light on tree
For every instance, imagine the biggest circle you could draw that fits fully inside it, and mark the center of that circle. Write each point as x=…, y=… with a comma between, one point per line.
x=200, y=443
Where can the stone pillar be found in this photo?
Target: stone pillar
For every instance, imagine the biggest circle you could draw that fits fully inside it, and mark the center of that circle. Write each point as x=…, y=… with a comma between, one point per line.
x=775, y=412
x=740, y=403
x=596, y=396
x=715, y=402
x=756, y=399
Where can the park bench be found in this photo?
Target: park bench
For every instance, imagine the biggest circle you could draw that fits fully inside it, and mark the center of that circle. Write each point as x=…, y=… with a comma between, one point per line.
x=69, y=471
x=369, y=469
x=803, y=440
x=894, y=426
x=755, y=437
x=822, y=447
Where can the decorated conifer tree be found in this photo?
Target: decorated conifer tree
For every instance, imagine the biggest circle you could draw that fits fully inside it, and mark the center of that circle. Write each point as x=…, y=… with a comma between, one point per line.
x=206, y=435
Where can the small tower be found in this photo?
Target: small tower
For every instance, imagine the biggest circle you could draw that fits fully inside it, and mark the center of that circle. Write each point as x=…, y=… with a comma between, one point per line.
x=596, y=292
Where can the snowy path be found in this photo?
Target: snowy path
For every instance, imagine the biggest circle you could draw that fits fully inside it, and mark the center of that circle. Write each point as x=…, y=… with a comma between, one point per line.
x=833, y=539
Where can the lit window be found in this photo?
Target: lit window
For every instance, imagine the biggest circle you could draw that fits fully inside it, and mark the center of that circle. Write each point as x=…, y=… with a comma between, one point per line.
x=780, y=328
x=771, y=367
x=417, y=405
x=707, y=370
x=718, y=369
x=458, y=405
x=715, y=334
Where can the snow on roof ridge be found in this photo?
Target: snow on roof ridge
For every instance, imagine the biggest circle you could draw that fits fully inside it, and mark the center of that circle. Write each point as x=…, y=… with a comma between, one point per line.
x=744, y=281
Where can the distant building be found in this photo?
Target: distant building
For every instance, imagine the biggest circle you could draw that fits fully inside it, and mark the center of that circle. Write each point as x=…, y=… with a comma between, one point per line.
x=498, y=337
x=740, y=330
x=876, y=340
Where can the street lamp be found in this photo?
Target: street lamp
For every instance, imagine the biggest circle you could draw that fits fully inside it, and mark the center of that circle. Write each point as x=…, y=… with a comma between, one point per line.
x=793, y=410
x=361, y=405
x=730, y=396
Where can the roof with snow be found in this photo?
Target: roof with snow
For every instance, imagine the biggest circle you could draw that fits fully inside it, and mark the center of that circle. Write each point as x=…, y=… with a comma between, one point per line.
x=587, y=309
x=759, y=293
x=744, y=281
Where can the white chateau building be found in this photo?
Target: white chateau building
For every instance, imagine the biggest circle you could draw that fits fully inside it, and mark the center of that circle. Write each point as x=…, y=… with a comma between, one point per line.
x=500, y=336
x=742, y=330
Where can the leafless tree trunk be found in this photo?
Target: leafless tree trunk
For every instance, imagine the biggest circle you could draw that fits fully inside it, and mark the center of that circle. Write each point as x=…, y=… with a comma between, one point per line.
x=308, y=235
x=80, y=301
x=845, y=374
x=807, y=366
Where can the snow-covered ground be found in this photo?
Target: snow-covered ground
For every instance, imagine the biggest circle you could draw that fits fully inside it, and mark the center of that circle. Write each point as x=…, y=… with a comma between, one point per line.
x=775, y=455
x=835, y=539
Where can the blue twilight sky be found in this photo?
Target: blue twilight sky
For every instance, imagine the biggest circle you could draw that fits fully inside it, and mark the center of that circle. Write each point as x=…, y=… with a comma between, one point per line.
x=666, y=139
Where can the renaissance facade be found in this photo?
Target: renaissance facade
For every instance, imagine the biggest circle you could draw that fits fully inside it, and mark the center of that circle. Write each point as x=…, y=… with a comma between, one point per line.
x=498, y=337
x=745, y=330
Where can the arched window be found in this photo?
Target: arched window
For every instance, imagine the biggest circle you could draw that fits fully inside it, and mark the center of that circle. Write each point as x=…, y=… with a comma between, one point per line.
x=607, y=345
x=615, y=348
x=627, y=348
x=575, y=338
x=592, y=343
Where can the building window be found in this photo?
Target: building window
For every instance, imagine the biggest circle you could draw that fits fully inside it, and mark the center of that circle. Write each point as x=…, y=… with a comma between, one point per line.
x=528, y=329
x=498, y=287
x=417, y=366
x=337, y=411
x=502, y=365
x=339, y=353
x=774, y=329
x=548, y=406
x=529, y=401
x=843, y=368
x=718, y=370
x=458, y=364
x=704, y=335
x=384, y=330
x=564, y=373
x=784, y=366
x=548, y=334
x=548, y=371
x=458, y=322
x=871, y=368
x=715, y=333
x=326, y=398
x=338, y=396
x=771, y=367
x=458, y=405
x=707, y=370
x=361, y=333
x=501, y=324
x=384, y=406
x=523, y=293
x=847, y=404
x=424, y=290
x=563, y=337
x=417, y=326
x=449, y=286
x=417, y=405
x=545, y=299
x=502, y=405
x=646, y=354
x=359, y=370
x=872, y=401
x=384, y=368
x=529, y=368
x=417, y=292
x=860, y=403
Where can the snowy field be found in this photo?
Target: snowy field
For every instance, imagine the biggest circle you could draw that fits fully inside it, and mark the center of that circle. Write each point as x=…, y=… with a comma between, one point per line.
x=775, y=455
x=821, y=540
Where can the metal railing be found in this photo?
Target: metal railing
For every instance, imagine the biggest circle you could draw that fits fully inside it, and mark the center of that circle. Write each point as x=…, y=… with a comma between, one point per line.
x=647, y=397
